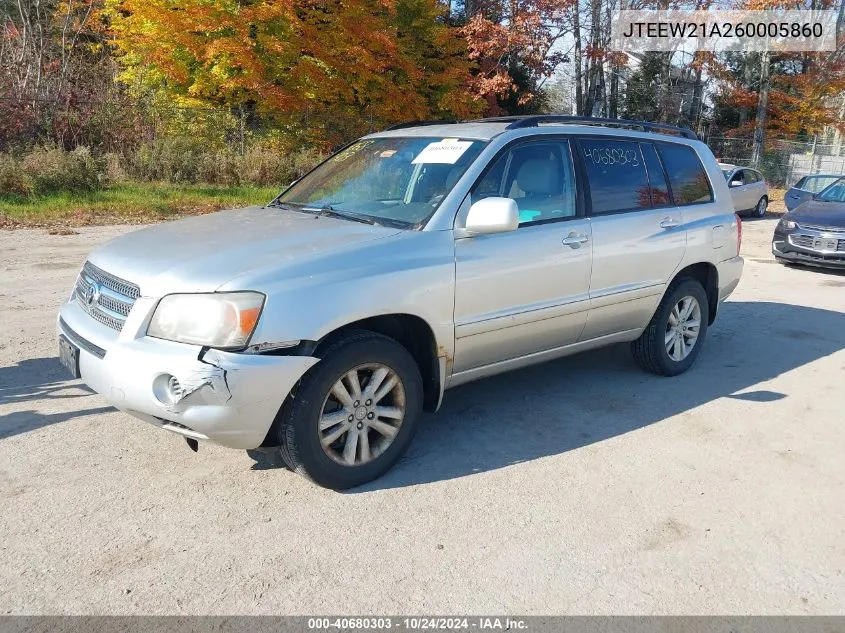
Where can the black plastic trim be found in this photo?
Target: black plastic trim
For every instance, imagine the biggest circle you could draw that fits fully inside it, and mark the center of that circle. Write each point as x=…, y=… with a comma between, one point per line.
x=520, y=122
x=80, y=342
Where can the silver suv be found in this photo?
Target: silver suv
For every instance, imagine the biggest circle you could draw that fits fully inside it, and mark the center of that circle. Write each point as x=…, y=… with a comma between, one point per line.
x=414, y=260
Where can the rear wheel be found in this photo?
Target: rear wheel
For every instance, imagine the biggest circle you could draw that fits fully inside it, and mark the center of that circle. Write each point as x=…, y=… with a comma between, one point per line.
x=354, y=414
x=673, y=338
x=762, y=207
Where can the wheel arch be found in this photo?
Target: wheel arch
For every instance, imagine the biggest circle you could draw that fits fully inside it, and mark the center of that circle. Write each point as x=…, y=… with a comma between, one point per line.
x=707, y=275
x=415, y=335
x=412, y=332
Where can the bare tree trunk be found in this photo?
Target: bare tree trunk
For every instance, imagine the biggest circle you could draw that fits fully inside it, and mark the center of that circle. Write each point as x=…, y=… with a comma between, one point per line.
x=697, y=98
x=613, y=105
x=762, y=103
x=576, y=32
x=746, y=82
x=592, y=104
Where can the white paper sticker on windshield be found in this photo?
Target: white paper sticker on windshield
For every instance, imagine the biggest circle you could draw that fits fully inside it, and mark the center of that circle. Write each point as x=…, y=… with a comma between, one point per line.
x=447, y=151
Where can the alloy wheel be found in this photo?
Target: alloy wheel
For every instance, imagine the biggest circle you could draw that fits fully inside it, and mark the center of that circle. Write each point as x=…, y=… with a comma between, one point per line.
x=361, y=414
x=682, y=328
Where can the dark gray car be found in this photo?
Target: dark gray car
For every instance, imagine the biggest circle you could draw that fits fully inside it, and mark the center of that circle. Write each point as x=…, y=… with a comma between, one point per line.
x=807, y=187
x=814, y=232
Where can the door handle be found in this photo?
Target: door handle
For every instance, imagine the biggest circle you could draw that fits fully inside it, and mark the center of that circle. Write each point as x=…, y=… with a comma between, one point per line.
x=668, y=223
x=574, y=240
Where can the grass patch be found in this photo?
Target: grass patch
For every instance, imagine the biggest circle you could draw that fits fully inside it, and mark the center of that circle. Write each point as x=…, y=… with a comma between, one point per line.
x=127, y=203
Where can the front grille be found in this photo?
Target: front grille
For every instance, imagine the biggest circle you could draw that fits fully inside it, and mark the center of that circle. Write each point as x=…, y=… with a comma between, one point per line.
x=106, y=298
x=806, y=241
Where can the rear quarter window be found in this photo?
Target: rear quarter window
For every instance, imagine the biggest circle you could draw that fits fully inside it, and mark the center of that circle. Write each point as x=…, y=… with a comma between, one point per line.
x=687, y=176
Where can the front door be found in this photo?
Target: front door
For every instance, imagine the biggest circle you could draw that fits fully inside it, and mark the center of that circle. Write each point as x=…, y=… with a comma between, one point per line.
x=525, y=291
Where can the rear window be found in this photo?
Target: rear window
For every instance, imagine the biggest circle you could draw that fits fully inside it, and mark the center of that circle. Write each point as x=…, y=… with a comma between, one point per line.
x=686, y=174
x=616, y=175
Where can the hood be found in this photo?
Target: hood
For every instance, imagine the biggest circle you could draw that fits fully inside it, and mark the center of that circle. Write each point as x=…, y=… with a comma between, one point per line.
x=202, y=253
x=822, y=214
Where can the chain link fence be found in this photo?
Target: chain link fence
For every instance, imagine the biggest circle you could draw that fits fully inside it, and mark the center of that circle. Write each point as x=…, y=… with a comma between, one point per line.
x=785, y=161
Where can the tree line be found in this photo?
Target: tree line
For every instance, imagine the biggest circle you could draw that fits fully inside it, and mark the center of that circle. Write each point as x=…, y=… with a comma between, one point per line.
x=113, y=74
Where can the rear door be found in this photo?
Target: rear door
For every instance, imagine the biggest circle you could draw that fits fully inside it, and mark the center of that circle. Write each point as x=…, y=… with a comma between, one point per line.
x=638, y=234
x=525, y=291
x=756, y=186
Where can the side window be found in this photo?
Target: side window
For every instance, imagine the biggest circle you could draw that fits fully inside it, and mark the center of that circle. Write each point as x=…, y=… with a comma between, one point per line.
x=800, y=184
x=818, y=183
x=686, y=174
x=491, y=182
x=656, y=178
x=750, y=176
x=616, y=175
x=538, y=175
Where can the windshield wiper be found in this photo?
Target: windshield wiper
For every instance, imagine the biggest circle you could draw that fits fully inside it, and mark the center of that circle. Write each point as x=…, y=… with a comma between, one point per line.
x=330, y=211
x=284, y=205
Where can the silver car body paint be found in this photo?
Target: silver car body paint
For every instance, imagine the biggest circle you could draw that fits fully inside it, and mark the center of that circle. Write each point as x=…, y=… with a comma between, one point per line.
x=493, y=302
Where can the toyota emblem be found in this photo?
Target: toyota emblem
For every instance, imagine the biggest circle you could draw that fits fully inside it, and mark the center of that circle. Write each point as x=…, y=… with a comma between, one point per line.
x=92, y=295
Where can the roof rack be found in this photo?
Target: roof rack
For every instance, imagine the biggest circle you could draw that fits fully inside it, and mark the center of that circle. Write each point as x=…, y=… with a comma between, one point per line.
x=404, y=124
x=517, y=122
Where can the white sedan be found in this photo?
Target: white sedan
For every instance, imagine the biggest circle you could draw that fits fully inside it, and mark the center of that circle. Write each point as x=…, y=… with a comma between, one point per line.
x=748, y=188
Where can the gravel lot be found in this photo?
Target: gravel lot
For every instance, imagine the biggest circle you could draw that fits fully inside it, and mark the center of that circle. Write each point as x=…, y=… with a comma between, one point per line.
x=579, y=486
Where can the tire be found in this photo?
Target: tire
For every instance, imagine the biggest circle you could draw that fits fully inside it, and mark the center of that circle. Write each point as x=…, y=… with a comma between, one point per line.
x=301, y=437
x=762, y=207
x=650, y=350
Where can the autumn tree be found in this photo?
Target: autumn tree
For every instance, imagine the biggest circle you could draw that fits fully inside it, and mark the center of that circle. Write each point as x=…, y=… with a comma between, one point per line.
x=514, y=44
x=52, y=64
x=327, y=68
x=784, y=94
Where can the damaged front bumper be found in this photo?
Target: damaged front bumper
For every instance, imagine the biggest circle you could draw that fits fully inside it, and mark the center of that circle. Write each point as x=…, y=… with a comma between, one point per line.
x=205, y=394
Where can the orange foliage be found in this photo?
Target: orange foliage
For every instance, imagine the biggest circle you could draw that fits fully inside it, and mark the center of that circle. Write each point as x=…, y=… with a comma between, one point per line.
x=525, y=36
x=380, y=60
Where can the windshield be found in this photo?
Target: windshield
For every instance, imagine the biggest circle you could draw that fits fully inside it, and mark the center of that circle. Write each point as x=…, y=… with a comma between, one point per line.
x=834, y=193
x=727, y=173
x=395, y=181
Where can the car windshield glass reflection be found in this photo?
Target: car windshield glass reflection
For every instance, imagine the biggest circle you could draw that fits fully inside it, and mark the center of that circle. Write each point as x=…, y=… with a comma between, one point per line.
x=395, y=181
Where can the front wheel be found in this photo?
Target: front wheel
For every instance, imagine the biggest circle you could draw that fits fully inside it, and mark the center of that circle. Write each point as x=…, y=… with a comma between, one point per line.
x=673, y=338
x=354, y=414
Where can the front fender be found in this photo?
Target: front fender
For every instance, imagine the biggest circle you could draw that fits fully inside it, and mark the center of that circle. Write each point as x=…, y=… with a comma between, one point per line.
x=412, y=273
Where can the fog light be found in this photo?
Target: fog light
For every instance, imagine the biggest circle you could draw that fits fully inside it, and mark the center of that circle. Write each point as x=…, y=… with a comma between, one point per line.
x=167, y=389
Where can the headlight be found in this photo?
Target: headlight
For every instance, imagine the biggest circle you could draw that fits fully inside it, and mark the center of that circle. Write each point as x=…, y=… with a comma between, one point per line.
x=224, y=319
x=787, y=224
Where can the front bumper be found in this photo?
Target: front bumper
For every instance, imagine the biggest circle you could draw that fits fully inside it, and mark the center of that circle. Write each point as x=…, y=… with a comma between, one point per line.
x=228, y=398
x=786, y=250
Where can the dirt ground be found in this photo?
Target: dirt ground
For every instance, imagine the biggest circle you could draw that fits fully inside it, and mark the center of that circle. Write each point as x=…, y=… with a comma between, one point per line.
x=580, y=486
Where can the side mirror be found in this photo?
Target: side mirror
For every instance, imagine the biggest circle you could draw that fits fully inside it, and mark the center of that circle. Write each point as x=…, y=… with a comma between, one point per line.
x=736, y=183
x=492, y=215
